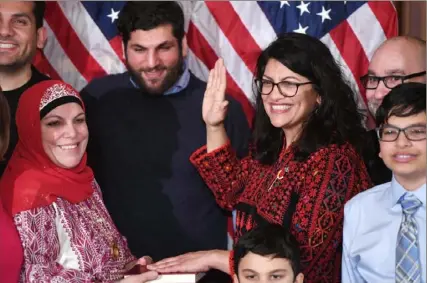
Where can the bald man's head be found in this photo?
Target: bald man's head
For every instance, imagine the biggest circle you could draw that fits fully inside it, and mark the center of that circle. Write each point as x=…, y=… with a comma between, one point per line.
x=397, y=56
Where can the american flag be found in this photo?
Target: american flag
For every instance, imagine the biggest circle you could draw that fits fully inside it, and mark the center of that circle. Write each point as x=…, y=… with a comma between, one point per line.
x=83, y=42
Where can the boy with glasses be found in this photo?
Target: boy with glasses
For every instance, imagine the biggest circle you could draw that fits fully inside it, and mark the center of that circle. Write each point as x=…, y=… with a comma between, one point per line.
x=398, y=60
x=385, y=227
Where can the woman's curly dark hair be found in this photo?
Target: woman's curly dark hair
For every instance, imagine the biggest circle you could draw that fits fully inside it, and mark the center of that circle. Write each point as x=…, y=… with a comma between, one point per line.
x=336, y=120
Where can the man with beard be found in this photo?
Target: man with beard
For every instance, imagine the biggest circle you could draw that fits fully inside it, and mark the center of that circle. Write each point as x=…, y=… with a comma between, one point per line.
x=144, y=125
x=21, y=33
x=398, y=60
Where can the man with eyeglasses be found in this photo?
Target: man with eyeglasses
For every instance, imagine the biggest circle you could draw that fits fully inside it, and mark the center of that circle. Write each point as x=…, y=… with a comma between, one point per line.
x=398, y=60
x=389, y=245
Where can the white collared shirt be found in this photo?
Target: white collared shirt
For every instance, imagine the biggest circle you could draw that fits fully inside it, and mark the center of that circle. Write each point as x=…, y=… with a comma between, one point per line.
x=371, y=224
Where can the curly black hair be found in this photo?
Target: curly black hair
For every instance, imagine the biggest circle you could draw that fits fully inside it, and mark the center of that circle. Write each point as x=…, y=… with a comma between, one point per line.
x=337, y=119
x=147, y=15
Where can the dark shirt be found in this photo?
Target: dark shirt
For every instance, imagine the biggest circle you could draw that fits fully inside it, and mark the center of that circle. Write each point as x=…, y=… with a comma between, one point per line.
x=139, y=148
x=12, y=97
x=377, y=170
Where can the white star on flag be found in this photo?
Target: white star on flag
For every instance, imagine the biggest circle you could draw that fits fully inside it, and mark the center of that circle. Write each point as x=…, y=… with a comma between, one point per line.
x=114, y=15
x=324, y=14
x=303, y=8
x=301, y=29
x=283, y=3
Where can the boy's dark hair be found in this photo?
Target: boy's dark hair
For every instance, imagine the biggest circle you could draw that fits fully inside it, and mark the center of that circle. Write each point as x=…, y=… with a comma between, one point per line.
x=147, y=15
x=268, y=240
x=38, y=10
x=402, y=101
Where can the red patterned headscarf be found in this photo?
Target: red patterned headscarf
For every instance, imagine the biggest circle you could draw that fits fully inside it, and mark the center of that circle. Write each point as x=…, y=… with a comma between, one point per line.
x=31, y=179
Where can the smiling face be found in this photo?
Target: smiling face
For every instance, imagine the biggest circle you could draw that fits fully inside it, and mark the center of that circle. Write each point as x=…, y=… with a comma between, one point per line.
x=154, y=58
x=407, y=159
x=19, y=37
x=396, y=57
x=288, y=113
x=265, y=269
x=65, y=135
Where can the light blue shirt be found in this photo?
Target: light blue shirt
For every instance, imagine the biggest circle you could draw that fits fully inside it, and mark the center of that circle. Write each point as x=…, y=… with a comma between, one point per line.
x=371, y=223
x=179, y=85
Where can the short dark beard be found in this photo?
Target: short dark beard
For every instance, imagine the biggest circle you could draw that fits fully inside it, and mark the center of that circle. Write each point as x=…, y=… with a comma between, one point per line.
x=19, y=63
x=172, y=76
x=14, y=67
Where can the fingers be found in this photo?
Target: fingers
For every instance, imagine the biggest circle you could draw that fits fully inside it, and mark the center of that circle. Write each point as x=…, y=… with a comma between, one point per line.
x=177, y=265
x=222, y=80
x=218, y=70
x=167, y=260
x=218, y=82
x=172, y=264
x=216, y=76
x=209, y=91
x=145, y=260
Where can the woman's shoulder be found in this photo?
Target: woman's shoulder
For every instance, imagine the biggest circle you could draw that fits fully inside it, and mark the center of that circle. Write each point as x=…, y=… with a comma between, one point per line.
x=345, y=150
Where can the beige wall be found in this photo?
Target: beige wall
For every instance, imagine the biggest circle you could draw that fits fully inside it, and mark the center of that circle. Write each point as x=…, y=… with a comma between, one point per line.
x=412, y=18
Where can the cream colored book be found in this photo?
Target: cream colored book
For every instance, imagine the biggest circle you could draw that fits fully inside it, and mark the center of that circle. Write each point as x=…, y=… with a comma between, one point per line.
x=167, y=277
x=178, y=278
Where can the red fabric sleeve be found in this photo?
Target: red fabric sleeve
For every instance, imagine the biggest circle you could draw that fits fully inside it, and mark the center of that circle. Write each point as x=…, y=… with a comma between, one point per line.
x=223, y=172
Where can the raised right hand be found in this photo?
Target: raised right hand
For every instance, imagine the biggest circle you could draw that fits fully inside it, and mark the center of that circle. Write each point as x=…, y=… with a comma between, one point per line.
x=214, y=103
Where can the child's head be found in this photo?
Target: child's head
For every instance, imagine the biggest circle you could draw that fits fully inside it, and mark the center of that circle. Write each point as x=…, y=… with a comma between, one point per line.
x=267, y=254
x=401, y=123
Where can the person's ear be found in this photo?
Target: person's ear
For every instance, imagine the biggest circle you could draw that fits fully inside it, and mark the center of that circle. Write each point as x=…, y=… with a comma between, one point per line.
x=184, y=47
x=235, y=279
x=299, y=278
x=41, y=37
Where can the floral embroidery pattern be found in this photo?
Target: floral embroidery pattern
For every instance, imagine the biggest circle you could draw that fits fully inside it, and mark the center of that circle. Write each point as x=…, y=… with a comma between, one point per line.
x=54, y=92
x=91, y=232
x=309, y=198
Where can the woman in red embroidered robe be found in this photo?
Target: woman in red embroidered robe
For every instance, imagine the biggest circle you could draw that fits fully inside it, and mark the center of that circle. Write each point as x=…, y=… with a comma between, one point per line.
x=304, y=164
x=65, y=230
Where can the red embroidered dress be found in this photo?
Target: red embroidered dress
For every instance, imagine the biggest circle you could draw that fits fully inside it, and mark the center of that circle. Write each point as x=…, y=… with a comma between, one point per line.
x=66, y=242
x=308, y=197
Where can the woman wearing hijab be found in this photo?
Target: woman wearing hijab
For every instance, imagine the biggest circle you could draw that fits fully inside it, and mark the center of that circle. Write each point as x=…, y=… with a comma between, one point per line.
x=11, y=256
x=66, y=232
